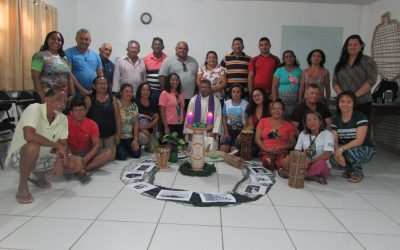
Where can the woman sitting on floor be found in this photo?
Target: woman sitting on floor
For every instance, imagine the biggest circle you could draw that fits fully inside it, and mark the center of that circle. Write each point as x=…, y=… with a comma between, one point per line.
x=353, y=145
x=148, y=116
x=257, y=109
x=318, y=145
x=129, y=143
x=275, y=137
x=103, y=109
x=233, y=119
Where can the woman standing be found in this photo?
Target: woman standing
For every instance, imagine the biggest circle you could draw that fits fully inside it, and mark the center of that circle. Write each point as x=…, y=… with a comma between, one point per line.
x=353, y=146
x=318, y=145
x=103, y=109
x=317, y=74
x=148, y=116
x=49, y=67
x=129, y=143
x=275, y=137
x=286, y=82
x=172, y=104
x=356, y=72
x=214, y=73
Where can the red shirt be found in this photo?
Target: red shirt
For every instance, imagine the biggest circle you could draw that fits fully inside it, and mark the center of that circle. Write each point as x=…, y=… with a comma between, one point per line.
x=264, y=71
x=80, y=135
x=275, y=137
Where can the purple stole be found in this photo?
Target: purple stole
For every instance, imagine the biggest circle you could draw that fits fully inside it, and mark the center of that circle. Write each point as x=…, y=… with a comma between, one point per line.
x=197, y=107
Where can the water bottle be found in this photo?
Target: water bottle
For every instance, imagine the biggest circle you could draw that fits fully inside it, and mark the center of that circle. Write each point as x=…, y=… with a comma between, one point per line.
x=388, y=96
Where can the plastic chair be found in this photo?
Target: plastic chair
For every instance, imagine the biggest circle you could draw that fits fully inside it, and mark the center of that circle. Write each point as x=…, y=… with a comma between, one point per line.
x=6, y=124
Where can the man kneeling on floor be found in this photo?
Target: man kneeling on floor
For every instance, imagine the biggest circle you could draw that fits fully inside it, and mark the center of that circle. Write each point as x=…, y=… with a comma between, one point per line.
x=84, y=143
x=39, y=144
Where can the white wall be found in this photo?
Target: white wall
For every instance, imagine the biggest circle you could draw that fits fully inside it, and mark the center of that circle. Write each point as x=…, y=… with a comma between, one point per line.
x=66, y=19
x=210, y=24
x=204, y=24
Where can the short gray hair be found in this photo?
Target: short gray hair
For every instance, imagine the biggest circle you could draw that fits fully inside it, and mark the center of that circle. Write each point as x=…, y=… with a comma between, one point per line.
x=83, y=30
x=133, y=41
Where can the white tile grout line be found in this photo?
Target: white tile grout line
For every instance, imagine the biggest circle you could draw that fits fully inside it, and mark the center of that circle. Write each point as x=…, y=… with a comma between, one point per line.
x=340, y=222
x=159, y=218
x=94, y=220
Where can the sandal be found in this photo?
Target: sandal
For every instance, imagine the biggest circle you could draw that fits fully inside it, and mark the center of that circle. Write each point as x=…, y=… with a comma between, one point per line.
x=355, y=178
x=41, y=182
x=86, y=177
x=24, y=199
x=321, y=180
x=346, y=174
x=283, y=173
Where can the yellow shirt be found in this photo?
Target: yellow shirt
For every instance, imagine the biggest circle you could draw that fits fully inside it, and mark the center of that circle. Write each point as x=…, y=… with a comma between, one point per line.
x=35, y=116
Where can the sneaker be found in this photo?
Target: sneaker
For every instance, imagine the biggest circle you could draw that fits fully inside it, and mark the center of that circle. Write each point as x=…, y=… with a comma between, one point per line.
x=83, y=178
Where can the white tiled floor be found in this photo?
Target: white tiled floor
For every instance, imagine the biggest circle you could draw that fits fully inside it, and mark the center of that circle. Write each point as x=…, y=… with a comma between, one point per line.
x=104, y=214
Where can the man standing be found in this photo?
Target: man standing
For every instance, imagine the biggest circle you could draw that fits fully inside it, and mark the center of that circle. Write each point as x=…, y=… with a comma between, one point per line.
x=130, y=69
x=108, y=67
x=311, y=97
x=84, y=142
x=85, y=63
x=39, y=144
x=202, y=104
x=236, y=64
x=183, y=65
x=153, y=62
x=262, y=67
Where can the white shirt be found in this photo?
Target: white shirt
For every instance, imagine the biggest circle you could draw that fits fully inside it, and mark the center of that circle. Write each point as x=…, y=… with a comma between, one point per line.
x=204, y=111
x=128, y=72
x=323, y=142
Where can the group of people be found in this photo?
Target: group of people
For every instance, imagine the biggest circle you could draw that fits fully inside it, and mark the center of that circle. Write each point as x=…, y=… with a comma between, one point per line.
x=114, y=110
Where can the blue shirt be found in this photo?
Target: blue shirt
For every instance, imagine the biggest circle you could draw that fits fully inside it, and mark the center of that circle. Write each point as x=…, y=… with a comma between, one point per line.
x=108, y=71
x=84, y=66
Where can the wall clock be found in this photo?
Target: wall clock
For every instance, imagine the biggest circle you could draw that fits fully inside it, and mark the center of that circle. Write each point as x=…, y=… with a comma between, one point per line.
x=145, y=18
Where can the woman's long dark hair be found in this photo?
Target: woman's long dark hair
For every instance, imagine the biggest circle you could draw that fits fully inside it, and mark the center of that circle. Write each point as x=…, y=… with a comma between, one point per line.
x=344, y=56
x=139, y=91
x=251, y=108
x=45, y=45
x=323, y=58
x=168, y=83
x=295, y=63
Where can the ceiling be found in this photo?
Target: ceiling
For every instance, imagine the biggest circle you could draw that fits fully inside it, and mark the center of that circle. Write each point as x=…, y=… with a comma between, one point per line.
x=357, y=2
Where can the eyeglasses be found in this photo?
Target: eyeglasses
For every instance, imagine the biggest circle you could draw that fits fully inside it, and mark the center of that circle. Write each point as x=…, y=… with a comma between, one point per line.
x=184, y=67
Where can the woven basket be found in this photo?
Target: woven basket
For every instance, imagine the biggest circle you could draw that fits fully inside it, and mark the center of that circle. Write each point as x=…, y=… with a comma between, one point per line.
x=297, y=168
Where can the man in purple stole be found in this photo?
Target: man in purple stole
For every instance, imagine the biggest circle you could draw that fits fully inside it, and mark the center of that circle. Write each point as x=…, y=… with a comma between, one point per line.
x=202, y=104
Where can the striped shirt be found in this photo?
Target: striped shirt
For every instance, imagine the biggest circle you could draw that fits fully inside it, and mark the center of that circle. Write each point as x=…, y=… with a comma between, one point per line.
x=348, y=131
x=236, y=70
x=153, y=65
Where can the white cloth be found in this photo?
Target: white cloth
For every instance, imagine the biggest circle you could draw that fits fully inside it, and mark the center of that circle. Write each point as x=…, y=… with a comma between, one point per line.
x=204, y=111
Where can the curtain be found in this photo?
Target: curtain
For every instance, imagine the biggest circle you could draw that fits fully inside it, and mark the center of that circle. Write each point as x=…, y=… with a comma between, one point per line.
x=23, y=28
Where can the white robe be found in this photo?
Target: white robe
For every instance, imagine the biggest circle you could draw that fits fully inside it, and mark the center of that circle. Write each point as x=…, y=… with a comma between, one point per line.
x=204, y=111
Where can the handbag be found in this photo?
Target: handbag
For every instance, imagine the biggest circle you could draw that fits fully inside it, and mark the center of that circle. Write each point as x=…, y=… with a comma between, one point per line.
x=383, y=86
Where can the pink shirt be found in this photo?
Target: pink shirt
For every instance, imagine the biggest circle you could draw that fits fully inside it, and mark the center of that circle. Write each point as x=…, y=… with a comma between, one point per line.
x=275, y=137
x=173, y=107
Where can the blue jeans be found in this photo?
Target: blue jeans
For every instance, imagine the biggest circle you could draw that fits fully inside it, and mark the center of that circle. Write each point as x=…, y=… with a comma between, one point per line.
x=125, y=149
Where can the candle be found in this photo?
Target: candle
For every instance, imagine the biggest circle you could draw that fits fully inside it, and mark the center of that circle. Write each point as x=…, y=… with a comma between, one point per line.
x=210, y=118
x=190, y=118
